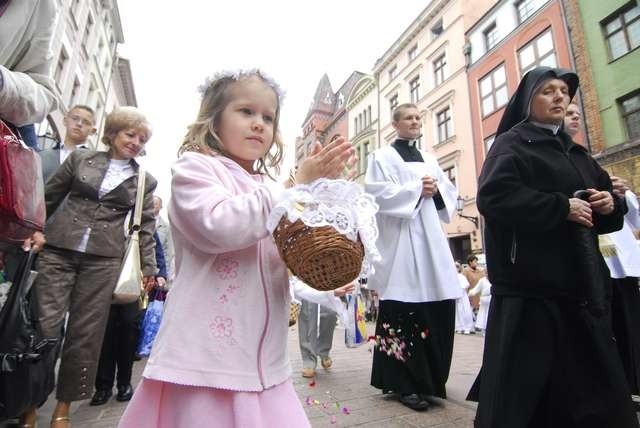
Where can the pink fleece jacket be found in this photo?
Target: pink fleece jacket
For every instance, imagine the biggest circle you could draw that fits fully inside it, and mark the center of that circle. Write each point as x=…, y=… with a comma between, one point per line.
x=225, y=319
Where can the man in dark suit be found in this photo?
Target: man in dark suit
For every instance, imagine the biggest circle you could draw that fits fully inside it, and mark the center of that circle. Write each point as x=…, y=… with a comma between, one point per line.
x=80, y=123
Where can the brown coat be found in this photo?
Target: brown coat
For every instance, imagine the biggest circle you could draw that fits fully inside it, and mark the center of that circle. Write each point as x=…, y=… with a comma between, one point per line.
x=73, y=205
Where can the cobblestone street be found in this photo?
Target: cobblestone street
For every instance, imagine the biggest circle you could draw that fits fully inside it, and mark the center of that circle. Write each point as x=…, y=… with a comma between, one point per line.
x=346, y=384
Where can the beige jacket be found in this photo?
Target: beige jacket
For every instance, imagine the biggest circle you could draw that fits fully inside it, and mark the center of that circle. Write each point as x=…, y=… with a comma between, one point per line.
x=73, y=206
x=28, y=93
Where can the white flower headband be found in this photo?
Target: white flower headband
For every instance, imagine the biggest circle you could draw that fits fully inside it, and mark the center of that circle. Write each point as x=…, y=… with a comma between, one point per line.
x=242, y=74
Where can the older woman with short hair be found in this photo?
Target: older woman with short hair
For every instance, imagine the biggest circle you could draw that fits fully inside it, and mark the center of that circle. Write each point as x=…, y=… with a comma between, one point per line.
x=89, y=199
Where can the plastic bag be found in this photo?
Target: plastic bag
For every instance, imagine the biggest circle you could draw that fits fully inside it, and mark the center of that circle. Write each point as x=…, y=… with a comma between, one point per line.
x=356, y=328
x=150, y=327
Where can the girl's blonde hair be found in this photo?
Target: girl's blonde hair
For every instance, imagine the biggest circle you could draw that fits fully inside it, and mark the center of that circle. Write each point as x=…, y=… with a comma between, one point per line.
x=124, y=118
x=201, y=135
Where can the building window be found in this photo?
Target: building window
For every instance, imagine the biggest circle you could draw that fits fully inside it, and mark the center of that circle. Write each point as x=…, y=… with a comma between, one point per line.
x=75, y=92
x=445, y=125
x=488, y=142
x=493, y=90
x=623, y=30
x=413, y=53
x=365, y=154
x=393, y=103
x=60, y=67
x=88, y=30
x=438, y=69
x=450, y=172
x=414, y=89
x=539, y=51
x=437, y=29
x=631, y=115
x=75, y=12
x=491, y=36
x=392, y=72
x=369, y=113
x=525, y=9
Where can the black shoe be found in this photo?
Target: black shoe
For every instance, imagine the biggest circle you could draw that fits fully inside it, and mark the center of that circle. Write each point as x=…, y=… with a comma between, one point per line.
x=100, y=397
x=137, y=357
x=125, y=392
x=414, y=402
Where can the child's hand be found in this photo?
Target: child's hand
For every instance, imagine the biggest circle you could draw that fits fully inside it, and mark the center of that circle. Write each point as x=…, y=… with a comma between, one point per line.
x=148, y=283
x=345, y=289
x=328, y=161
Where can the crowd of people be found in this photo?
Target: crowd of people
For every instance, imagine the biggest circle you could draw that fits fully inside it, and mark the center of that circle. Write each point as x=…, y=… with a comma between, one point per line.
x=557, y=302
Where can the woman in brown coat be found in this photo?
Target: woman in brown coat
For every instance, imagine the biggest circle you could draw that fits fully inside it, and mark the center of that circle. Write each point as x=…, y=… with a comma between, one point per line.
x=89, y=201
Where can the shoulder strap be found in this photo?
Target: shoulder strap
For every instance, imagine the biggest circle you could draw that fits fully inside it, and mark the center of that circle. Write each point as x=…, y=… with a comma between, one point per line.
x=137, y=211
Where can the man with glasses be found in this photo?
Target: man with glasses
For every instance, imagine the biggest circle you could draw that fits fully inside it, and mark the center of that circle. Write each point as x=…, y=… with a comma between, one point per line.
x=80, y=124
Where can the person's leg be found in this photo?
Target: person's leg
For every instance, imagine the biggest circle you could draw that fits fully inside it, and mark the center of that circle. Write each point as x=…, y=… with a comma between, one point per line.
x=88, y=314
x=307, y=334
x=328, y=319
x=57, y=273
x=105, y=374
x=126, y=338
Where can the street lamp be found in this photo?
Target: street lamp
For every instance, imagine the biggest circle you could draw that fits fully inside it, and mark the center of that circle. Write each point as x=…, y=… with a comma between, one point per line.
x=460, y=207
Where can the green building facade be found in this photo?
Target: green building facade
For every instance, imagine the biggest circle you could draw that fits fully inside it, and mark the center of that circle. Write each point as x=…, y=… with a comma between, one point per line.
x=612, y=41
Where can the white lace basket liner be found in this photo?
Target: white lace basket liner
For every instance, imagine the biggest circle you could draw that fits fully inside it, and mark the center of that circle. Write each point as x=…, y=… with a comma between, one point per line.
x=340, y=204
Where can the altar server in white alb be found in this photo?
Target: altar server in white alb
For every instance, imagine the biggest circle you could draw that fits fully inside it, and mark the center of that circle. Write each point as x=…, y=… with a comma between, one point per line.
x=622, y=254
x=464, y=313
x=621, y=251
x=416, y=277
x=482, y=289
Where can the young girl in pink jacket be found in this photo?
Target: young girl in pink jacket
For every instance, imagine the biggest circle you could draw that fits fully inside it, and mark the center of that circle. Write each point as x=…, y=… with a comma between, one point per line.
x=220, y=357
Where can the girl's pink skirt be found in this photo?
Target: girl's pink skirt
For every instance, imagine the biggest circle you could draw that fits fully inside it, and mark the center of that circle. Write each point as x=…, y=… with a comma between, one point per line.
x=158, y=404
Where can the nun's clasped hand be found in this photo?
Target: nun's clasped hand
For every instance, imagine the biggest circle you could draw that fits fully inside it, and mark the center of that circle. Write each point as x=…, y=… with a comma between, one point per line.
x=601, y=201
x=580, y=212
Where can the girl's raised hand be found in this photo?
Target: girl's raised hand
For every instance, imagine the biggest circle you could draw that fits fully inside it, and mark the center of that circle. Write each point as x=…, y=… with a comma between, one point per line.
x=345, y=289
x=326, y=162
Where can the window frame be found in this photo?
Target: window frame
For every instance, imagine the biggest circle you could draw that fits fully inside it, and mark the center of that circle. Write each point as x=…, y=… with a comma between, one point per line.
x=393, y=72
x=490, y=36
x=437, y=29
x=530, y=9
x=625, y=115
x=414, y=89
x=444, y=125
x=494, y=90
x=536, y=55
x=412, y=53
x=453, y=175
x=439, y=64
x=393, y=102
x=624, y=25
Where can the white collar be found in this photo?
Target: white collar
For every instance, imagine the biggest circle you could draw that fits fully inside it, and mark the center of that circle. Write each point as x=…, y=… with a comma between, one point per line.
x=77, y=146
x=550, y=126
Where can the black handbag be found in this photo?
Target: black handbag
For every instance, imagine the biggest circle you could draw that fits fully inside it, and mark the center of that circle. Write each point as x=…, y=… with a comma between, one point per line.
x=27, y=359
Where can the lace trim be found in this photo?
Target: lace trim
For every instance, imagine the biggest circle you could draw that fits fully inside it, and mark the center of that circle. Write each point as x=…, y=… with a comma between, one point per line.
x=338, y=203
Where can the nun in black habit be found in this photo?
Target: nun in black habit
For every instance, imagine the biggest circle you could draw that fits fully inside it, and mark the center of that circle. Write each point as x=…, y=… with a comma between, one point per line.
x=550, y=359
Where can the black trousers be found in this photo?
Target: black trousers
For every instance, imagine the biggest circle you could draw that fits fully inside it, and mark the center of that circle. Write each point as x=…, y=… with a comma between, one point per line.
x=119, y=346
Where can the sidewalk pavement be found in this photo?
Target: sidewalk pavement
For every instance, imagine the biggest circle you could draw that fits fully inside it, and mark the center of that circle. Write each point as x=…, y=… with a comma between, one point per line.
x=340, y=390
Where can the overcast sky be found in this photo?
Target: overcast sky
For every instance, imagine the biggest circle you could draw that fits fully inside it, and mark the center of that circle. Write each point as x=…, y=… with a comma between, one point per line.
x=174, y=46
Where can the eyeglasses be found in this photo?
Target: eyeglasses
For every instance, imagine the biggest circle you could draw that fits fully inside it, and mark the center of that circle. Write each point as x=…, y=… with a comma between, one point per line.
x=80, y=120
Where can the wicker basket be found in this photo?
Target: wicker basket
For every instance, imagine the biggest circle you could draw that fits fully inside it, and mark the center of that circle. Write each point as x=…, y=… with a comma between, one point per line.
x=294, y=313
x=321, y=257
